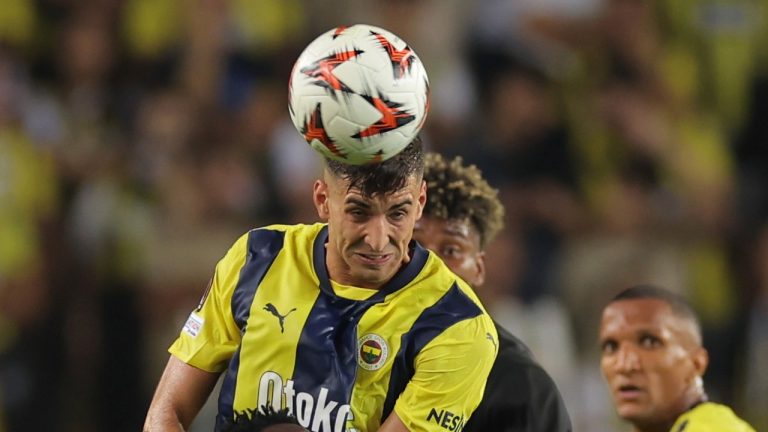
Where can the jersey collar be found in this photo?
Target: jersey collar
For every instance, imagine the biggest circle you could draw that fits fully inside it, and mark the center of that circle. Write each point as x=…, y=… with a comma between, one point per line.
x=403, y=276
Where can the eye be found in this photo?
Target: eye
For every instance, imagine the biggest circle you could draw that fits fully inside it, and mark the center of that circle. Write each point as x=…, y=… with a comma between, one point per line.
x=609, y=347
x=356, y=213
x=398, y=215
x=649, y=341
x=451, y=251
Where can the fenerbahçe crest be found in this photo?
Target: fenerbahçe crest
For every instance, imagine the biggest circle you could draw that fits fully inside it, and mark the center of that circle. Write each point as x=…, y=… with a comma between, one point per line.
x=372, y=352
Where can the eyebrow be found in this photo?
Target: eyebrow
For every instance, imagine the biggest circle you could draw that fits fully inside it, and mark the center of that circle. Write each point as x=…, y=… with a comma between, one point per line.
x=404, y=203
x=357, y=202
x=456, y=232
x=364, y=204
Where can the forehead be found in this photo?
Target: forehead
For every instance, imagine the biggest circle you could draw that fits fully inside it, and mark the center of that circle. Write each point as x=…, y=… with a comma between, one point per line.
x=452, y=227
x=341, y=190
x=633, y=314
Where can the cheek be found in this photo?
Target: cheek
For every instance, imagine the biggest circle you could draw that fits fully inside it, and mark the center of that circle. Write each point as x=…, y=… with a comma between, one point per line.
x=404, y=232
x=467, y=264
x=670, y=371
x=344, y=234
x=605, y=368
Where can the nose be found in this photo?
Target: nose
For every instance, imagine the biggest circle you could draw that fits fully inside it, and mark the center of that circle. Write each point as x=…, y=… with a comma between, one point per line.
x=376, y=234
x=627, y=359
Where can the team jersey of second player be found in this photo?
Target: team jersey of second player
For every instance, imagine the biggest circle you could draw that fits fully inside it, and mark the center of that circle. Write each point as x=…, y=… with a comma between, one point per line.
x=520, y=395
x=339, y=357
x=710, y=417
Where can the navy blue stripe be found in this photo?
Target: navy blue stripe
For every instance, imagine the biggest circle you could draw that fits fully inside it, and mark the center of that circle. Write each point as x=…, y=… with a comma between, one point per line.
x=263, y=247
x=405, y=275
x=326, y=355
x=452, y=308
x=227, y=395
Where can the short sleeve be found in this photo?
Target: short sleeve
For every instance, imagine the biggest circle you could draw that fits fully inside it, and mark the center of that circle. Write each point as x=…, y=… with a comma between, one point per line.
x=449, y=377
x=210, y=335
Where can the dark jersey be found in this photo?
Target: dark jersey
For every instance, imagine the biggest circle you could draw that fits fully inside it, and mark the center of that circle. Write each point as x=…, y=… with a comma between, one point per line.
x=520, y=395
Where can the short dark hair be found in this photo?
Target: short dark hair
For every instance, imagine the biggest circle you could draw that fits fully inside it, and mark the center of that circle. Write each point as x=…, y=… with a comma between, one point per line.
x=679, y=305
x=252, y=420
x=382, y=178
x=458, y=192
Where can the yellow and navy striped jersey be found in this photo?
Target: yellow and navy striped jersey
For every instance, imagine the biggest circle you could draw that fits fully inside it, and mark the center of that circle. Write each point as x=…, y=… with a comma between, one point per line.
x=710, y=417
x=339, y=357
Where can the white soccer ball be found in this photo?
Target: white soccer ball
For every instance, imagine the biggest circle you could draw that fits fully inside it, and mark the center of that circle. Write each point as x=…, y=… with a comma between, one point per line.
x=358, y=94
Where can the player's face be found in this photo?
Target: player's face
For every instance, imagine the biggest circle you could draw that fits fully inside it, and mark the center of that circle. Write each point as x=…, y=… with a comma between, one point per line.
x=367, y=236
x=650, y=359
x=457, y=242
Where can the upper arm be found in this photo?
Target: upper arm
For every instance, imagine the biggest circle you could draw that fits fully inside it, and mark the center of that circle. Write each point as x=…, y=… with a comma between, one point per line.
x=449, y=377
x=182, y=391
x=393, y=424
x=548, y=408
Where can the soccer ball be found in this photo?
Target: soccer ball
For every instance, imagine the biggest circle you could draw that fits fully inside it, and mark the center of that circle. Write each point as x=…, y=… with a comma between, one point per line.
x=358, y=94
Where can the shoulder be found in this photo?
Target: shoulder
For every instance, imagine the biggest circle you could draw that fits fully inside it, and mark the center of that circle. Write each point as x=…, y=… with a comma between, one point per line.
x=520, y=394
x=516, y=368
x=275, y=237
x=437, y=280
x=294, y=232
x=514, y=349
x=265, y=243
x=449, y=313
x=712, y=417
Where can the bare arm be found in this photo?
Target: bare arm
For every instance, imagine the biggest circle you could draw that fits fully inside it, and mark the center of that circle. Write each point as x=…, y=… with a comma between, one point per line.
x=182, y=391
x=393, y=424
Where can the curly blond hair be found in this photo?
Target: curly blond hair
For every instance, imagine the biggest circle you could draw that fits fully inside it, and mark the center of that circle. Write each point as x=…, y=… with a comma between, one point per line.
x=459, y=192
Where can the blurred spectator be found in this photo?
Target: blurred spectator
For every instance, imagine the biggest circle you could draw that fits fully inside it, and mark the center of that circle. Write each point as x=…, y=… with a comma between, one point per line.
x=136, y=136
x=749, y=347
x=525, y=150
x=29, y=208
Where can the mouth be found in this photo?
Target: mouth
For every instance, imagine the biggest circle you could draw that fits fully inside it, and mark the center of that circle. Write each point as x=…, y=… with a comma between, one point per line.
x=628, y=392
x=374, y=259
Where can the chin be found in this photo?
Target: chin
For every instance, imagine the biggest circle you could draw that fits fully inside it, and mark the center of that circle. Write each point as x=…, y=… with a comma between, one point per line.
x=633, y=413
x=374, y=278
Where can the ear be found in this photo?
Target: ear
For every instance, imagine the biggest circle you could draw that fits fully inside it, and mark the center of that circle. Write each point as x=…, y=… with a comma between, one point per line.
x=700, y=359
x=320, y=196
x=480, y=267
x=422, y=199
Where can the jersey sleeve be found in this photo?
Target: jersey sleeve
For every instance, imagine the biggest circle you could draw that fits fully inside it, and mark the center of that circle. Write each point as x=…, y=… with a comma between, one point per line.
x=210, y=336
x=449, y=377
x=547, y=410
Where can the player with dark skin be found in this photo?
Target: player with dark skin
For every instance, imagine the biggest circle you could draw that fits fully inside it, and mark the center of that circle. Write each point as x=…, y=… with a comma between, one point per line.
x=461, y=217
x=653, y=362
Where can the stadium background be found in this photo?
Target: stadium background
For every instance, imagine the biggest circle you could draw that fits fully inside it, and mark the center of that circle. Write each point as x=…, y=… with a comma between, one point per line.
x=139, y=138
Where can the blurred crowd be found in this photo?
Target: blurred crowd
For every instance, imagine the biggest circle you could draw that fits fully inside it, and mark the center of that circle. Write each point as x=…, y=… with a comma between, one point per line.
x=140, y=138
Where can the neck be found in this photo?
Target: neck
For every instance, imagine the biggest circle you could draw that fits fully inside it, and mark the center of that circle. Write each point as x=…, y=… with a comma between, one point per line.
x=661, y=426
x=696, y=397
x=655, y=428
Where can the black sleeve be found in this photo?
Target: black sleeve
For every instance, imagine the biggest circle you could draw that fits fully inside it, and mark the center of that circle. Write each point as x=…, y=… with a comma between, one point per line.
x=519, y=397
x=547, y=409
